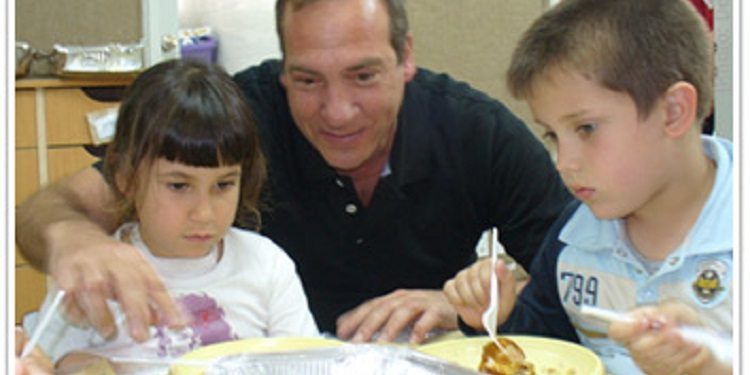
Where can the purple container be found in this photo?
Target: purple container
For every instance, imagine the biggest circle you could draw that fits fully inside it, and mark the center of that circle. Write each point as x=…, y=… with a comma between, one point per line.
x=204, y=50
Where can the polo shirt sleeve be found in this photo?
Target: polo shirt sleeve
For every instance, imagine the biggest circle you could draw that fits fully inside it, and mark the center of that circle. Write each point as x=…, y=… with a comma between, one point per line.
x=527, y=194
x=538, y=310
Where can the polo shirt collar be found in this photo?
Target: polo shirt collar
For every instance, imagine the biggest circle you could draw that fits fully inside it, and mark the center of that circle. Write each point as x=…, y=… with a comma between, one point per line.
x=318, y=169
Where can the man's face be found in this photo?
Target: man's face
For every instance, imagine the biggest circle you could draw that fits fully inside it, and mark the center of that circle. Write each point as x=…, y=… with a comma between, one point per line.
x=343, y=81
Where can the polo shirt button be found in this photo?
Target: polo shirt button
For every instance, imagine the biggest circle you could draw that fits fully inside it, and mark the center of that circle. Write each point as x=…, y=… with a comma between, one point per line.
x=351, y=208
x=673, y=261
x=339, y=182
x=359, y=241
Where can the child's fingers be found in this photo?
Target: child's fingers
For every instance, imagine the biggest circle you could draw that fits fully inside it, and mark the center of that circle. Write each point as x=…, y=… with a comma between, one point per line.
x=507, y=291
x=20, y=340
x=467, y=289
x=696, y=361
x=660, y=349
x=679, y=313
x=626, y=332
x=479, y=283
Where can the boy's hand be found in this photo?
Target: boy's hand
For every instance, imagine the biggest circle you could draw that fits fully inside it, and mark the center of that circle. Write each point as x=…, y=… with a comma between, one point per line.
x=469, y=292
x=654, y=341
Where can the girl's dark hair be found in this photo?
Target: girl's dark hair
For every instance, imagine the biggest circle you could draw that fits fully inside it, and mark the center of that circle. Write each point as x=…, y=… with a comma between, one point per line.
x=191, y=113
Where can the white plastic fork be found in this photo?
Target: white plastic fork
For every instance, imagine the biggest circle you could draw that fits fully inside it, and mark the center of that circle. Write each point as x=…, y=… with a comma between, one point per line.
x=721, y=347
x=489, y=317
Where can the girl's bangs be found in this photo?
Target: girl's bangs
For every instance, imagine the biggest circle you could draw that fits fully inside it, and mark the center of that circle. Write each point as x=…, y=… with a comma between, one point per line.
x=209, y=148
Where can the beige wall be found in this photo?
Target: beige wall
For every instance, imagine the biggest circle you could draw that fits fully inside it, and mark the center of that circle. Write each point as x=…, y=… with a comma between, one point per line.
x=41, y=23
x=44, y=23
x=472, y=40
x=246, y=29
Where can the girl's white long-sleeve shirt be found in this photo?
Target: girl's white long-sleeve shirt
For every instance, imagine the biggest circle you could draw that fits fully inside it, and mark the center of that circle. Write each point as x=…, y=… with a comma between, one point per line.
x=251, y=290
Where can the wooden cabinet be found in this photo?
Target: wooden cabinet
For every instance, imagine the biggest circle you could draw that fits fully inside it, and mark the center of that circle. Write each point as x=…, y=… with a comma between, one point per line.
x=27, y=173
x=51, y=132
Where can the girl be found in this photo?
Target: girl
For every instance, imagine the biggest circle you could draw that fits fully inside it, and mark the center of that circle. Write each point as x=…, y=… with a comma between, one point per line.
x=186, y=163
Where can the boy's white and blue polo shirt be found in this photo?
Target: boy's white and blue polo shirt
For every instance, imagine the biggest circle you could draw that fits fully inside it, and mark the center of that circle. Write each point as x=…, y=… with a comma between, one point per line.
x=590, y=261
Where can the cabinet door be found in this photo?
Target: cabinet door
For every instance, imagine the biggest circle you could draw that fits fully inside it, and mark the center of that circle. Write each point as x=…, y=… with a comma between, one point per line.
x=64, y=161
x=66, y=110
x=31, y=286
x=25, y=118
x=27, y=173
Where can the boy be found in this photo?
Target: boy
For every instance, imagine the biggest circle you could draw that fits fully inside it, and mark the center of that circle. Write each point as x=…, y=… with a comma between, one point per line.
x=621, y=88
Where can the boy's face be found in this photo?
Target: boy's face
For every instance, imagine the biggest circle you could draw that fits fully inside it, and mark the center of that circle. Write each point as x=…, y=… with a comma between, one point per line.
x=608, y=157
x=184, y=211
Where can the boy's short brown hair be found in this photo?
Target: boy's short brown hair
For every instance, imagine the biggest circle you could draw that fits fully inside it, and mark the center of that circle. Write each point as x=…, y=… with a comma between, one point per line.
x=641, y=47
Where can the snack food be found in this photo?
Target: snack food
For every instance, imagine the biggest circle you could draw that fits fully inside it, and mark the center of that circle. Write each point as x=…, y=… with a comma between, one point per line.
x=510, y=360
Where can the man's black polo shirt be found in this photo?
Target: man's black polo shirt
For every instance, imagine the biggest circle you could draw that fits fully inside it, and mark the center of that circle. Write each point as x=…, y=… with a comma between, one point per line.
x=461, y=163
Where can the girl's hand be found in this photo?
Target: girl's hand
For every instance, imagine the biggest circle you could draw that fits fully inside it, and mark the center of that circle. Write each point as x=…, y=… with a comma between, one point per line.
x=36, y=363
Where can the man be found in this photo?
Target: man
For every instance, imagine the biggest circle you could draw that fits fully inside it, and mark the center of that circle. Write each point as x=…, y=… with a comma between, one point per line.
x=381, y=178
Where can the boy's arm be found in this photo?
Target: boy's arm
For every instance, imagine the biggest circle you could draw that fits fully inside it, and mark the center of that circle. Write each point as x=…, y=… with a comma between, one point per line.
x=63, y=229
x=538, y=309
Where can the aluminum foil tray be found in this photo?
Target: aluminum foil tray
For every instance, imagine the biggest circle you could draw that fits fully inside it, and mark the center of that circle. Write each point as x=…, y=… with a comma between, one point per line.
x=362, y=359
x=112, y=58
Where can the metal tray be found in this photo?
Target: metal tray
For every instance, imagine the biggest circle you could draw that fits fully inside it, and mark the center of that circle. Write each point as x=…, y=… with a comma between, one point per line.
x=362, y=359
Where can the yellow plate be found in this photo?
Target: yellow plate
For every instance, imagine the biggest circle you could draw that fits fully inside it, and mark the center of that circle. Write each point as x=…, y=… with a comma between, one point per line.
x=257, y=345
x=544, y=353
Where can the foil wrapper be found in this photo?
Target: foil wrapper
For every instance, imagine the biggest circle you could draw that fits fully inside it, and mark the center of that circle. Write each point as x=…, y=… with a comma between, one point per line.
x=24, y=55
x=112, y=58
x=362, y=359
